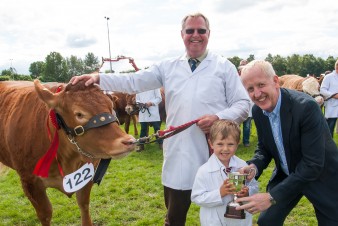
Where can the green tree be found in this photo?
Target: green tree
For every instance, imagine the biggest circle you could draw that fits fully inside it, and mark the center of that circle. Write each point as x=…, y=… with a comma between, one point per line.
x=6, y=72
x=235, y=60
x=279, y=64
x=56, y=68
x=329, y=63
x=36, y=69
x=308, y=65
x=293, y=63
x=269, y=58
x=75, y=66
x=91, y=63
x=251, y=58
x=11, y=73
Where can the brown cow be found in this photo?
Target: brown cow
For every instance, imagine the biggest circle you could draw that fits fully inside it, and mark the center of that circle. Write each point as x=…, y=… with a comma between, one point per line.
x=309, y=85
x=24, y=137
x=133, y=108
x=120, y=102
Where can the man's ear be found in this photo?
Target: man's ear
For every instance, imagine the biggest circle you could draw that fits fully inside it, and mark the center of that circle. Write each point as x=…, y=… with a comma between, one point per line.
x=276, y=80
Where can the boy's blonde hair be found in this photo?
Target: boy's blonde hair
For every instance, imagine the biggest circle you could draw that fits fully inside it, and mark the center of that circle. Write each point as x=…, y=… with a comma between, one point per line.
x=225, y=128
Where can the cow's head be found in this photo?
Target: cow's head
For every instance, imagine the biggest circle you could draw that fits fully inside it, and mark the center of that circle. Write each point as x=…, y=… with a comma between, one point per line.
x=131, y=107
x=311, y=86
x=78, y=105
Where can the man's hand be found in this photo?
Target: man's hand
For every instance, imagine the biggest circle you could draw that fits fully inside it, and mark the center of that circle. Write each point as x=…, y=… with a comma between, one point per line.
x=255, y=203
x=250, y=170
x=206, y=121
x=88, y=78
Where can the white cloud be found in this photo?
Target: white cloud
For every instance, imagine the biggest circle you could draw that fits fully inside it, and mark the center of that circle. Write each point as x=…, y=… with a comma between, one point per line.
x=149, y=30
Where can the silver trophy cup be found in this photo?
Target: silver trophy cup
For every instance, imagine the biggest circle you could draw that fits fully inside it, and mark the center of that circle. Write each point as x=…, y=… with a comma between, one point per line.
x=238, y=180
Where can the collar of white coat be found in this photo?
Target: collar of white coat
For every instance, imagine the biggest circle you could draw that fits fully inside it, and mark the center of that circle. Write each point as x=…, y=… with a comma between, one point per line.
x=214, y=164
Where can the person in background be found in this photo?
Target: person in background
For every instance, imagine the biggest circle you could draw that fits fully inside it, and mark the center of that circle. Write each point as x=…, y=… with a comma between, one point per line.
x=292, y=131
x=212, y=189
x=329, y=89
x=199, y=85
x=247, y=123
x=149, y=115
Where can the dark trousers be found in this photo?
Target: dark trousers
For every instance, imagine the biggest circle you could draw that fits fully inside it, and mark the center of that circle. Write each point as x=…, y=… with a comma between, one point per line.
x=144, y=129
x=331, y=122
x=246, y=130
x=177, y=203
x=325, y=213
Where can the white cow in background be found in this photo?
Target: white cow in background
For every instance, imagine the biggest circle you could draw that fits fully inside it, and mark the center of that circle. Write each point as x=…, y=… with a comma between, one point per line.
x=309, y=85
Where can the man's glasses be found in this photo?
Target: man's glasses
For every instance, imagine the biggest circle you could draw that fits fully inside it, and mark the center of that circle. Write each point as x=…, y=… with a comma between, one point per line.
x=200, y=31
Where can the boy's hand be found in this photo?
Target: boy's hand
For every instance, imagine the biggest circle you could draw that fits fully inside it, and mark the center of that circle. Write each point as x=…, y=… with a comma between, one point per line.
x=227, y=188
x=244, y=192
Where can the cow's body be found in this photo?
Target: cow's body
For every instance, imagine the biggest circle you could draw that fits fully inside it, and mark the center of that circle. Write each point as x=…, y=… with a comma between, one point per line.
x=309, y=85
x=24, y=137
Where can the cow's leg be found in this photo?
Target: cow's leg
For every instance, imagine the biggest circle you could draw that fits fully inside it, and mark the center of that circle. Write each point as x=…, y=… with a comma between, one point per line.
x=83, y=199
x=36, y=193
x=134, y=117
x=127, y=124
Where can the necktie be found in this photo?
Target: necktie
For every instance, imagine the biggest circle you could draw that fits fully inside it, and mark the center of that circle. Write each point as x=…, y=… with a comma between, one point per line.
x=193, y=63
x=227, y=170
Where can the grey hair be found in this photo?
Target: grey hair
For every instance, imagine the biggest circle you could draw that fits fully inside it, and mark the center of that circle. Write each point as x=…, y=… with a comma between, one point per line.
x=195, y=15
x=265, y=66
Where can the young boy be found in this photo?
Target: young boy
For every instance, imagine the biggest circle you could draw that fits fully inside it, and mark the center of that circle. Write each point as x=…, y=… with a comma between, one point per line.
x=212, y=189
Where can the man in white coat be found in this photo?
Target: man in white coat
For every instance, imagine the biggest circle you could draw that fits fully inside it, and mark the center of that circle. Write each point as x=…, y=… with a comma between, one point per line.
x=149, y=115
x=209, y=90
x=329, y=89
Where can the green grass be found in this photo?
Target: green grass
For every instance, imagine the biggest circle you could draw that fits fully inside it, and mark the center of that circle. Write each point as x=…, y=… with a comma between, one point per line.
x=130, y=194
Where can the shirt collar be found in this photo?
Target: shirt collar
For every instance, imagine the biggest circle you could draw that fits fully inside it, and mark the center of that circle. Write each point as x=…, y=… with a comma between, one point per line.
x=276, y=109
x=215, y=164
x=204, y=55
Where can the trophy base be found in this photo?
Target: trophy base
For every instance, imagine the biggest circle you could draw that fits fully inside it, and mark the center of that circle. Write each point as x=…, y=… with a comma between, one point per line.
x=231, y=212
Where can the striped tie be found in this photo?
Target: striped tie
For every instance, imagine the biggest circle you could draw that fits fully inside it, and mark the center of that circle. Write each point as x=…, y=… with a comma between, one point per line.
x=193, y=63
x=227, y=170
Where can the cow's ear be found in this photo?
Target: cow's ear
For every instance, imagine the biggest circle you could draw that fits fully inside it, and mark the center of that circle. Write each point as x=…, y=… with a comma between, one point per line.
x=113, y=98
x=45, y=94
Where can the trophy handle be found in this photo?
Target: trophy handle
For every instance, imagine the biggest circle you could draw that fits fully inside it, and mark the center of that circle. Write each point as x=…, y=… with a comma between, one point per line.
x=252, y=170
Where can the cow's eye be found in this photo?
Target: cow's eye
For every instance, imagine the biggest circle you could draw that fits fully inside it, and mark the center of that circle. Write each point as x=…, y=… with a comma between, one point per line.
x=79, y=115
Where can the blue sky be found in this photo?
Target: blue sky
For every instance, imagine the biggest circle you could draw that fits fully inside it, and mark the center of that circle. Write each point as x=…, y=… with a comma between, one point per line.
x=149, y=30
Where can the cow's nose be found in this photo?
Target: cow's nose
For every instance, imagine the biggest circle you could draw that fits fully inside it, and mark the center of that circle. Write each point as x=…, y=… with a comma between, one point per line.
x=130, y=141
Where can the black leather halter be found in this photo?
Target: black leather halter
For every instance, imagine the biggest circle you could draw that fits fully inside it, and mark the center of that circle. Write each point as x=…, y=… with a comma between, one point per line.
x=96, y=121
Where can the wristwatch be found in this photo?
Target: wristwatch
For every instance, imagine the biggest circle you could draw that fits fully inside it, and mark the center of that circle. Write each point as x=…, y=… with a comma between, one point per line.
x=272, y=200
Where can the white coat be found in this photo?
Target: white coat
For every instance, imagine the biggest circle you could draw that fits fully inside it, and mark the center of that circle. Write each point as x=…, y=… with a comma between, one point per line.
x=152, y=96
x=206, y=193
x=328, y=87
x=213, y=88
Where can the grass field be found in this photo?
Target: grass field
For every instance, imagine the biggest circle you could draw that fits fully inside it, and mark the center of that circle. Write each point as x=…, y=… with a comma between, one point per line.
x=130, y=194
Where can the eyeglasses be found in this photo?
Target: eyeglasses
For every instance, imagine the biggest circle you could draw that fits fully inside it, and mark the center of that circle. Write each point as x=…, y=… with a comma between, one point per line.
x=200, y=31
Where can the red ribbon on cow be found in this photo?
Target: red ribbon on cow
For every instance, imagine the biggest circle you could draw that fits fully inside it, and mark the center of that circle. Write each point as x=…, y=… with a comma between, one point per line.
x=43, y=165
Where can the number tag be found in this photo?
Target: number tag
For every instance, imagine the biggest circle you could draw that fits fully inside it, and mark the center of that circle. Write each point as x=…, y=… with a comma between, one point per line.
x=78, y=179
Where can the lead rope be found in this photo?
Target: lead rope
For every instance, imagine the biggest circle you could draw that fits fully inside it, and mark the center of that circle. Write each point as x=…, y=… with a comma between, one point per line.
x=163, y=134
x=171, y=131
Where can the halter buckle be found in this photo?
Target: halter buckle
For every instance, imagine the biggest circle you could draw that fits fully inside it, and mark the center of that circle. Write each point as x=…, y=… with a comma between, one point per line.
x=79, y=130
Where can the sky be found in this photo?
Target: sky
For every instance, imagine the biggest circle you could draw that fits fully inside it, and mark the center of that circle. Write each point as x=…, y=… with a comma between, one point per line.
x=149, y=30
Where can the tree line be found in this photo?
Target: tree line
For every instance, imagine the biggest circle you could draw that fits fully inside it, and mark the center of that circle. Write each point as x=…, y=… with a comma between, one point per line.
x=56, y=68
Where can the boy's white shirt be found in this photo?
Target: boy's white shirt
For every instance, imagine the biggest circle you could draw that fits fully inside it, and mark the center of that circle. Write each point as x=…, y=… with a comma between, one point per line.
x=206, y=192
